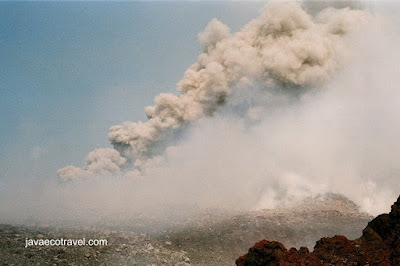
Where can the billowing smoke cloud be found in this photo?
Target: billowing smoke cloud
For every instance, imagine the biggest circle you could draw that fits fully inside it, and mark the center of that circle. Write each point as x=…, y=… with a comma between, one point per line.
x=98, y=162
x=284, y=47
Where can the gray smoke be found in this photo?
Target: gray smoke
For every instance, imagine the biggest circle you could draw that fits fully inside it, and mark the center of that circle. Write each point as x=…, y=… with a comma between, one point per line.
x=284, y=47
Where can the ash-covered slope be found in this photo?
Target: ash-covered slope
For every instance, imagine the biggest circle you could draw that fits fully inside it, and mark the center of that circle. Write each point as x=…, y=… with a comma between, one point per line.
x=378, y=245
x=185, y=237
x=218, y=239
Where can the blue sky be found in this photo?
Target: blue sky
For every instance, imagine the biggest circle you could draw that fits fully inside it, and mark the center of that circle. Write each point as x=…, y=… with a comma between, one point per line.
x=70, y=70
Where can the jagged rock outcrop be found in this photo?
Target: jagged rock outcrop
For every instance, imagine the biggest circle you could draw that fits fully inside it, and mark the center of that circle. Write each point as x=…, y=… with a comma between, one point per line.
x=378, y=245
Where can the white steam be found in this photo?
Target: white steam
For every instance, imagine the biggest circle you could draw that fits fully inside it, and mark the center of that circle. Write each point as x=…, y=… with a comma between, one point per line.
x=285, y=47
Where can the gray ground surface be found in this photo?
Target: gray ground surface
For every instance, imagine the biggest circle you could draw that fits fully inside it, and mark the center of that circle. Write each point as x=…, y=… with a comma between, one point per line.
x=208, y=237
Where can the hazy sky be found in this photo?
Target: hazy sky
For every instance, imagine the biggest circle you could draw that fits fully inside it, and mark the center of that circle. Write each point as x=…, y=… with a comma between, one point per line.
x=70, y=70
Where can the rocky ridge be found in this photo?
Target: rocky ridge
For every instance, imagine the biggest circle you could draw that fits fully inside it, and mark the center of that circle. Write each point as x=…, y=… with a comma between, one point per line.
x=378, y=245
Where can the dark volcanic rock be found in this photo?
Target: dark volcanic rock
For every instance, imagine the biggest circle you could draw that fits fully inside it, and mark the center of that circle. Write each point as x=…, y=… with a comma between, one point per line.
x=378, y=245
x=274, y=253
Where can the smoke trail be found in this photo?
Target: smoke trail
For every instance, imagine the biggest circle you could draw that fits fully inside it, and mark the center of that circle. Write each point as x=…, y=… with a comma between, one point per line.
x=284, y=46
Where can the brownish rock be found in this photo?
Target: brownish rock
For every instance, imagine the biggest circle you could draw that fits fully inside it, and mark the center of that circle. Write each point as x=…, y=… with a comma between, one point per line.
x=263, y=253
x=378, y=245
x=274, y=253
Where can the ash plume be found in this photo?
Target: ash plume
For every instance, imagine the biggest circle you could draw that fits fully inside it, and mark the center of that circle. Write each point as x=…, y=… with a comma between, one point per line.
x=283, y=47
